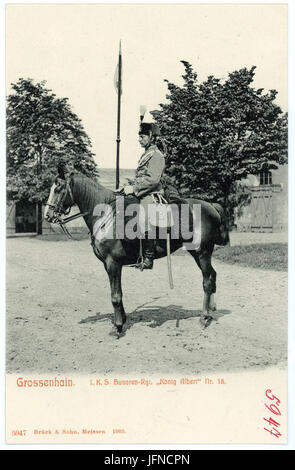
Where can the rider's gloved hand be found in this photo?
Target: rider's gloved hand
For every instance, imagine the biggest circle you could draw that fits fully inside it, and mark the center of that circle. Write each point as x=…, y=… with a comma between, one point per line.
x=128, y=190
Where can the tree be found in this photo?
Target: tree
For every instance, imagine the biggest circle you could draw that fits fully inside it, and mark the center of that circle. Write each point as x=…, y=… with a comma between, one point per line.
x=42, y=131
x=218, y=132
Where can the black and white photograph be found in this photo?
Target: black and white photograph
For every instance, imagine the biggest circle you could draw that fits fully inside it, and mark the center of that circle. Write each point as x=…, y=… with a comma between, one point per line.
x=146, y=295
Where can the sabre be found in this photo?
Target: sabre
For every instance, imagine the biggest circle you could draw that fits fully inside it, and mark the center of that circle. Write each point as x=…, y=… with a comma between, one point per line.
x=169, y=265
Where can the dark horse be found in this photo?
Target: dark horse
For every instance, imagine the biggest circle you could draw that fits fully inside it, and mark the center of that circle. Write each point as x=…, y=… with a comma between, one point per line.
x=86, y=193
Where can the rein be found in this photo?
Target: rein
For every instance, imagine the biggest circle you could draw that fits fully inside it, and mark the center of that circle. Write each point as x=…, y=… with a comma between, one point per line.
x=62, y=223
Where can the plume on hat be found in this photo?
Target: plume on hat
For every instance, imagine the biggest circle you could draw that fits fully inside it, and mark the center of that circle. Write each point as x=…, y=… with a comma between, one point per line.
x=142, y=111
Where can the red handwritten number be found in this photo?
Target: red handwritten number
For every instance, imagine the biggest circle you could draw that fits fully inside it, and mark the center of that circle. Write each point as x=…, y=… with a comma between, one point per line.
x=273, y=408
x=272, y=422
x=274, y=432
x=272, y=397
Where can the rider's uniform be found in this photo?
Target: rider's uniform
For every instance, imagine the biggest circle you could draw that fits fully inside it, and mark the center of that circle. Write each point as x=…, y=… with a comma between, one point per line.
x=147, y=178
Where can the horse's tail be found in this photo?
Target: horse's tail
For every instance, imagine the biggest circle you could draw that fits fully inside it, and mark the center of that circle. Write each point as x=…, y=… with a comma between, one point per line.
x=223, y=232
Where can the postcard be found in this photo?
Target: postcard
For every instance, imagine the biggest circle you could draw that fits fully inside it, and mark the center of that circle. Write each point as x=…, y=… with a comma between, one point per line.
x=146, y=223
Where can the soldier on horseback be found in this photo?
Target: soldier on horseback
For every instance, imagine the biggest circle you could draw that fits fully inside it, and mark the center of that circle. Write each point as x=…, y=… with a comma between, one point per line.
x=147, y=182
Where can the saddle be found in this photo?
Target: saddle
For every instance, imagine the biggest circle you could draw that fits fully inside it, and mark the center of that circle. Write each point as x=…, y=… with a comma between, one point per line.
x=160, y=214
x=115, y=221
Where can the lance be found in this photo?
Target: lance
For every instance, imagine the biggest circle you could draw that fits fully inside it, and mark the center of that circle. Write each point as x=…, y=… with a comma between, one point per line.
x=119, y=91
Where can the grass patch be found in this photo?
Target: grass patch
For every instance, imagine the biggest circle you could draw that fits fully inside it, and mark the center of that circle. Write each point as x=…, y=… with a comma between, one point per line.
x=272, y=256
x=263, y=255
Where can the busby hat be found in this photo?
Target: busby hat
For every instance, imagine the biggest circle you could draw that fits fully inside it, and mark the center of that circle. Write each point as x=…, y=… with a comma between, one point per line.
x=148, y=128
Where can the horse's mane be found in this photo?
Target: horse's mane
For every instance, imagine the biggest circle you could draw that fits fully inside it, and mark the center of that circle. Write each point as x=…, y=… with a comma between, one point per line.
x=90, y=189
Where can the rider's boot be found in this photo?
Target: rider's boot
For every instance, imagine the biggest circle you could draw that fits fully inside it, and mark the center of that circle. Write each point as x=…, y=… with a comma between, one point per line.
x=148, y=253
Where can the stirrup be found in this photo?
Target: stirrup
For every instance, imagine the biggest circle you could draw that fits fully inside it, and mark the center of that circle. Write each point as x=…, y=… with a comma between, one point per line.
x=142, y=264
x=138, y=263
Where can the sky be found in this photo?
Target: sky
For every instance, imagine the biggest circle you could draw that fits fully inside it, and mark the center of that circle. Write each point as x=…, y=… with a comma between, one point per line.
x=74, y=47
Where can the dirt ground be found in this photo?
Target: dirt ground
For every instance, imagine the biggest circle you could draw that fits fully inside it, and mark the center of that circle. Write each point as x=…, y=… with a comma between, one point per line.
x=59, y=314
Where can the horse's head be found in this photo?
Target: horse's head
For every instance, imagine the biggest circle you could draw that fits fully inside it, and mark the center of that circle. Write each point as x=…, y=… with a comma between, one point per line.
x=60, y=199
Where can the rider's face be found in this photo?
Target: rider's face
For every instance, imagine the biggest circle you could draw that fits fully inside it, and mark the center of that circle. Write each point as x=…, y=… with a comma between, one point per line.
x=144, y=140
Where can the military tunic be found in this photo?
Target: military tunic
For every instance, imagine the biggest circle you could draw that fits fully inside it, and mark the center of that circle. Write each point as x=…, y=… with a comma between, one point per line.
x=149, y=171
x=147, y=180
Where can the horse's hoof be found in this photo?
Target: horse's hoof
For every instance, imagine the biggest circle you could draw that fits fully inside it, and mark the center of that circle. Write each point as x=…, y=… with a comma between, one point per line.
x=206, y=321
x=212, y=303
x=213, y=312
x=121, y=331
x=116, y=331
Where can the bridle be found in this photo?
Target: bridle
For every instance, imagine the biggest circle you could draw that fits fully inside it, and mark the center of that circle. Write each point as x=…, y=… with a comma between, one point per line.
x=58, y=210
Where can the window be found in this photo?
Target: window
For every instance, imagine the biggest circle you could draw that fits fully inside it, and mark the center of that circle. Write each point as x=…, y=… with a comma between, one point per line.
x=265, y=177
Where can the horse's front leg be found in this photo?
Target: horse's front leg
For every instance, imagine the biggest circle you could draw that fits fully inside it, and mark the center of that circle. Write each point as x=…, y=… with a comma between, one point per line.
x=114, y=270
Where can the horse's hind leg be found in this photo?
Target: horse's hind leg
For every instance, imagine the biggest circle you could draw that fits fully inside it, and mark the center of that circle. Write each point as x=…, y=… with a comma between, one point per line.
x=114, y=271
x=203, y=260
x=212, y=303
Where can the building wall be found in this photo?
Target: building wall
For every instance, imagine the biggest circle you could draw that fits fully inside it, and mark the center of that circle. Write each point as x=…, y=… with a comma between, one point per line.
x=279, y=206
x=10, y=218
x=76, y=226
